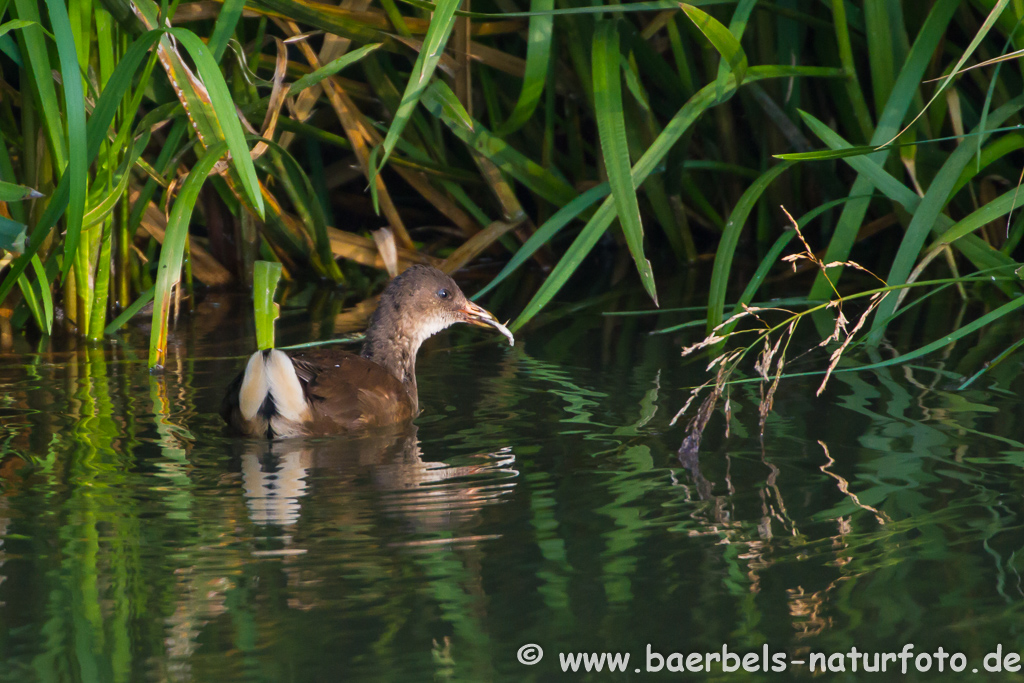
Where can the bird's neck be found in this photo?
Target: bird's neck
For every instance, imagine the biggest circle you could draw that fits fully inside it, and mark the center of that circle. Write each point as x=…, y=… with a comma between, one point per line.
x=394, y=348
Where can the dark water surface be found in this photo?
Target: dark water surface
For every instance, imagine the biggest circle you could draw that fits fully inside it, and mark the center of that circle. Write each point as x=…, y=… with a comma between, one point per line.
x=540, y=499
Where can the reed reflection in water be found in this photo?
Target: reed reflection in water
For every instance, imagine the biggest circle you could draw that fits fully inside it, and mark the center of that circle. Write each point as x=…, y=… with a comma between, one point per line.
x=542, y=497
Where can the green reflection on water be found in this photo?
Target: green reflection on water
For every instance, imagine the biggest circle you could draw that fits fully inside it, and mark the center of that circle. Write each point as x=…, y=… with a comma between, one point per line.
x=540, y=499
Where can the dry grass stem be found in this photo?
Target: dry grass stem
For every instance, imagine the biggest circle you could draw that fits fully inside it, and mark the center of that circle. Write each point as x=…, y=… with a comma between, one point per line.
x=771, y=360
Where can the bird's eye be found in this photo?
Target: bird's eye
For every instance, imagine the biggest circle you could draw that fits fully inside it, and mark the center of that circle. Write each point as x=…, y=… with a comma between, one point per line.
x=444, y=293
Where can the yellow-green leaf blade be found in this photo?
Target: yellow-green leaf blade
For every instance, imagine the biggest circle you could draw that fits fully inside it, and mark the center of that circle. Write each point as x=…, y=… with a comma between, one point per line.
x=265, y=276
x=722, y=39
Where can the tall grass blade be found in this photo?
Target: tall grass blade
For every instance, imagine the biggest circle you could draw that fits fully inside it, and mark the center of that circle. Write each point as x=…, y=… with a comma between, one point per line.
x=932, y=32
x=9, y=26
x=40, y=305
x=441, y=24
x=331, y=68
x=997, y=10
x=611, y=126
x=96, y=132
x=172, y=254
x=223, y=115
x=871, y=174
x=37, y=61
x=645, y=6
x=74, y=104
x=729, y=241
x=926, y=217
x=705, y=98
x=538, y=57
x=441, y=101
x=224, y=28
x=547, y=232
x=983, y=215
x=725, y=42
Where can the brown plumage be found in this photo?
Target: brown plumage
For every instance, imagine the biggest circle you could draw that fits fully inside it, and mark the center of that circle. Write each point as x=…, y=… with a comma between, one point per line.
x=327, y=391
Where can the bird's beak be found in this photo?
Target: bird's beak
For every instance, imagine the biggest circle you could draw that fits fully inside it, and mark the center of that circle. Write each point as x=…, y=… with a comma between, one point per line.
x=481, y=317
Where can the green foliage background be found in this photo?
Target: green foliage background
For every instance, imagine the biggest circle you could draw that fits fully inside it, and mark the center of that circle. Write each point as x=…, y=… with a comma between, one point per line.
x=148, y=146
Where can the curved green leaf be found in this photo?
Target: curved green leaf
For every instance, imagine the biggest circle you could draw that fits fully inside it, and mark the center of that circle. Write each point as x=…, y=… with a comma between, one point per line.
x=926, y=218
x=331, y=68
x=74, y=104
x=988, y=212
x=37, y=61
x=730, y=238
x=538, y=56
x=547, y=232
x=97, y=126
x=173, y=251
x=704, y=99
x=441, y=24
x=224, y=114
x=224, y=28
x=932, y=31
x=442, y=103
x=650, y=6
x=723, y=41
x=611, y=127
x=14, y=24
x=871, y=174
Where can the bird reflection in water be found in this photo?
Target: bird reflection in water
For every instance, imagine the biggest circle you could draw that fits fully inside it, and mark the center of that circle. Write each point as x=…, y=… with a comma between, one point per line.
x=382, y=473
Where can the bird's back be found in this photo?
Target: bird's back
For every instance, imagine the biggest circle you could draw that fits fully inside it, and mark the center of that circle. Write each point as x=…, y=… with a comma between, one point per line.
x=314, y=392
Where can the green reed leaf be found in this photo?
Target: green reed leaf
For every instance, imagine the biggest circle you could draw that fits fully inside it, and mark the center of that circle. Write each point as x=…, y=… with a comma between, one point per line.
x=871, y=174
x=32, y=302
x=829, y=154
x=723, y=41
x=224, y=28
x=37, y=60
x=130, y=312
x=10, y=192
x=331, y=68
x=442, y=103
x=265, y=276
x=224, y=114
x=44, y=294
x=538, y=57
x=173, y=251
x=926, y=217
x=14, y=24
x=441, y=24
x=611, y=126
x=651, y=6
x=74, y=103
x=907, y=83
x=704, y=99
x=730, y=239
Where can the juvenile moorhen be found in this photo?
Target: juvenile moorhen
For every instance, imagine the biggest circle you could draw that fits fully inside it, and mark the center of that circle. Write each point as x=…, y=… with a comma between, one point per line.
x=329, y=391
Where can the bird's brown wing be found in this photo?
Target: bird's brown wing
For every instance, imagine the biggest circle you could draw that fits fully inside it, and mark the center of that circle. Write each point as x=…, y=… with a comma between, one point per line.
x=348, y=392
